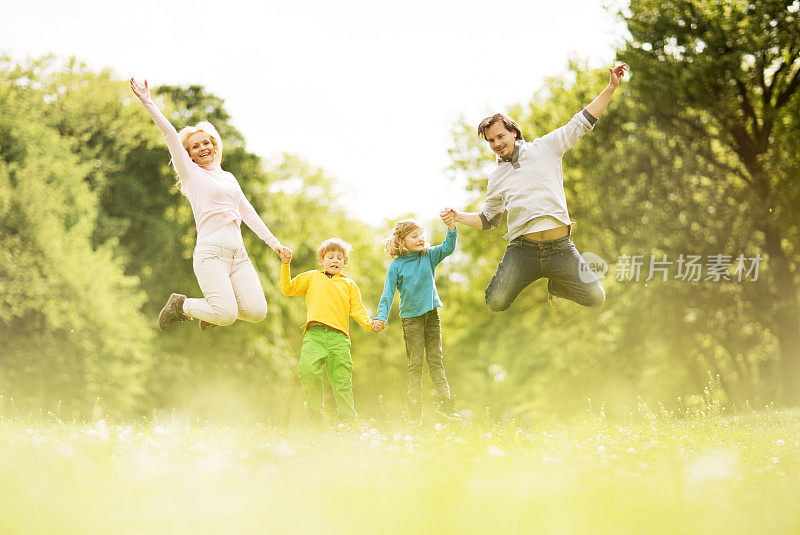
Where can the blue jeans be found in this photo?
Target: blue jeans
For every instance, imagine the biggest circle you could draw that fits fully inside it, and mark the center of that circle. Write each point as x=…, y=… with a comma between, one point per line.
x=557, y=260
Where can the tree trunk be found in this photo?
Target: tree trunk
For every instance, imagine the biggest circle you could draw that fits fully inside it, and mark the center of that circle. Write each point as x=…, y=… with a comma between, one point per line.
x=785, y=317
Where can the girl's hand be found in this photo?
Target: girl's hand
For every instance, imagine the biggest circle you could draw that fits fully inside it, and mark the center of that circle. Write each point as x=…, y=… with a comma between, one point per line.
x=141, y=91
x=616, y=74
x=378, y=326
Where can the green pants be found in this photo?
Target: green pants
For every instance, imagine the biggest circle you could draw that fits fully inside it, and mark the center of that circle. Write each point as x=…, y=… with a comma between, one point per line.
x=325, y=346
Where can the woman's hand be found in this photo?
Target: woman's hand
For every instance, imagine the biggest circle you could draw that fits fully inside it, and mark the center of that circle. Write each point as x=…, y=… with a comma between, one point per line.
x=141, y=91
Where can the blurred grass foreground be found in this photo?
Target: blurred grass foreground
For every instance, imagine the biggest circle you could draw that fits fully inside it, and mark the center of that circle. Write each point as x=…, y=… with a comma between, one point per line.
x=656, y=472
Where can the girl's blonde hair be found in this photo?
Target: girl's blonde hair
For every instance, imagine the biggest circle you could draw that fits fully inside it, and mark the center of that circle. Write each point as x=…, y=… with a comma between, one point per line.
x=395, y=245
x=208, y=129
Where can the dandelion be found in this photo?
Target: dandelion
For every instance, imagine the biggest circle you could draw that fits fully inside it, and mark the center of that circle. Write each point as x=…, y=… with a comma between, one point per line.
x=713, y=466
x=494, y=451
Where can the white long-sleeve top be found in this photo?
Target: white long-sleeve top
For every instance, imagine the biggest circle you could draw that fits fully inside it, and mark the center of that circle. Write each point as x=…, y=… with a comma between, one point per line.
x=215, y=195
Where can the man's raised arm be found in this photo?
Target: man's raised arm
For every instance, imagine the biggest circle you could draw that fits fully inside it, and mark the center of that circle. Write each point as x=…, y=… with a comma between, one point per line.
x=599, y=104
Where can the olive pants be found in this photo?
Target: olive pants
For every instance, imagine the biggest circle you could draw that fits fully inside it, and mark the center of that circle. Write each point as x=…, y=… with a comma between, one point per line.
x=423, y=337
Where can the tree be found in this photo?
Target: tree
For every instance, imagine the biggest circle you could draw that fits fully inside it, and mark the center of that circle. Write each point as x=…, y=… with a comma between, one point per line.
x=626, y=185
x=722, y=81
x=146, y=227
x=70, y=327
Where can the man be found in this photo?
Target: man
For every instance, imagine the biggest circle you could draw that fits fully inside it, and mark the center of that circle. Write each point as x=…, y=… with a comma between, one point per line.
x=529, y=183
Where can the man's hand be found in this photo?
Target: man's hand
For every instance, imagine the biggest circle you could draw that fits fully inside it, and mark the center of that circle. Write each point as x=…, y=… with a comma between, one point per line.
x=378, y=326
x=599, y=104
x=616, y=74
x=449, y=217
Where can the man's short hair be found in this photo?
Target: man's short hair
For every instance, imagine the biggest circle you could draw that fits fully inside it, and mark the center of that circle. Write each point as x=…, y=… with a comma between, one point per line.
x=334, y=244
x=510, y=124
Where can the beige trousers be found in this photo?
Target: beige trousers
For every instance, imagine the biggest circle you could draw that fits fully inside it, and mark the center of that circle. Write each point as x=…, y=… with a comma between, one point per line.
x=230, y=285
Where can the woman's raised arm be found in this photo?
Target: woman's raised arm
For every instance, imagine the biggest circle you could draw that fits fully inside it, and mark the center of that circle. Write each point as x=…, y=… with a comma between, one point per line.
x=180, y=158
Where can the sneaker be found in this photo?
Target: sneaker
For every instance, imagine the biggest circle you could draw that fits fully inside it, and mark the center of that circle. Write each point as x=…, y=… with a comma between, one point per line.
x=172, y=312
x=204, y=325
x=414, y=413
x=446, y=409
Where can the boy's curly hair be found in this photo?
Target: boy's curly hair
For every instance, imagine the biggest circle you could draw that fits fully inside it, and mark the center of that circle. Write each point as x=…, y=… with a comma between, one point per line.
x=394, y=243
x=334, y=244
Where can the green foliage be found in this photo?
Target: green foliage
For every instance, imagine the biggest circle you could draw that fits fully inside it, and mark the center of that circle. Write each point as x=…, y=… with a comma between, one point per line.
x=722, y=83
x=70, y=326
x=124, y=202
x=695, y=155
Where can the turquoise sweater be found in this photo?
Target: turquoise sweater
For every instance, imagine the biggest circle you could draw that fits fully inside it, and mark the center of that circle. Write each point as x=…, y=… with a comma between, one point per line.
x=412, y=274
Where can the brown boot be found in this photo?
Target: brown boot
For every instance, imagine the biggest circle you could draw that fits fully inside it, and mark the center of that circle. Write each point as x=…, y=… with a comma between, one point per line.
x=204, y=325
x=172, y=312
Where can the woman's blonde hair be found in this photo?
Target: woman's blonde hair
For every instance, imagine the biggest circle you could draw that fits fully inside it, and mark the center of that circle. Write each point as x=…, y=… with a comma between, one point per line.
x=208, y=129
x=395, y=245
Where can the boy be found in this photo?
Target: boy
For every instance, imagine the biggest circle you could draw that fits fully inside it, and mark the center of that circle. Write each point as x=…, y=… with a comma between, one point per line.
x=331, y=298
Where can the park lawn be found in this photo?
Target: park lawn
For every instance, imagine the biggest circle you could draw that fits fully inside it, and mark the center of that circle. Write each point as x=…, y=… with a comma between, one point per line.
x=653, y=473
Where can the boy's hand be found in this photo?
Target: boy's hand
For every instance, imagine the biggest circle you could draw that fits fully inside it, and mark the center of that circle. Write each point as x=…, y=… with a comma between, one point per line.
x=449, y=216
x=378, y=326
x=285, y=253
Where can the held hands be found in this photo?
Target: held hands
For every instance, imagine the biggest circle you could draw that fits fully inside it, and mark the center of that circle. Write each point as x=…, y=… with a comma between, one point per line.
x=616, y=74
x=449, y=217
x=141, y=91
x=285, y=253
x=378, y=326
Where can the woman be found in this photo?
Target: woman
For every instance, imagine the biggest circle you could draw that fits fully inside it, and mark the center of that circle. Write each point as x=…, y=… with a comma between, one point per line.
x=229, y=282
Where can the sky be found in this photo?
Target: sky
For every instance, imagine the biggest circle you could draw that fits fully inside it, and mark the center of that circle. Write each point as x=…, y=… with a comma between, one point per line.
x=367, y=90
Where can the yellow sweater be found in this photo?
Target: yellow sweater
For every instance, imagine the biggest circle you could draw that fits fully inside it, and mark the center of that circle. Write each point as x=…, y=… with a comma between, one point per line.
x=329, y=300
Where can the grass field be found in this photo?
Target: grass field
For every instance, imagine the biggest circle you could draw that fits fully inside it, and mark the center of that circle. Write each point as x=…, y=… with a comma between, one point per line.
x=652, y=473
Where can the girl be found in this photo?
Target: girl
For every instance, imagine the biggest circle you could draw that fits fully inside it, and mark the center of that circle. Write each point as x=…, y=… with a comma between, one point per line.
x=227, y=278
x=412, y=273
